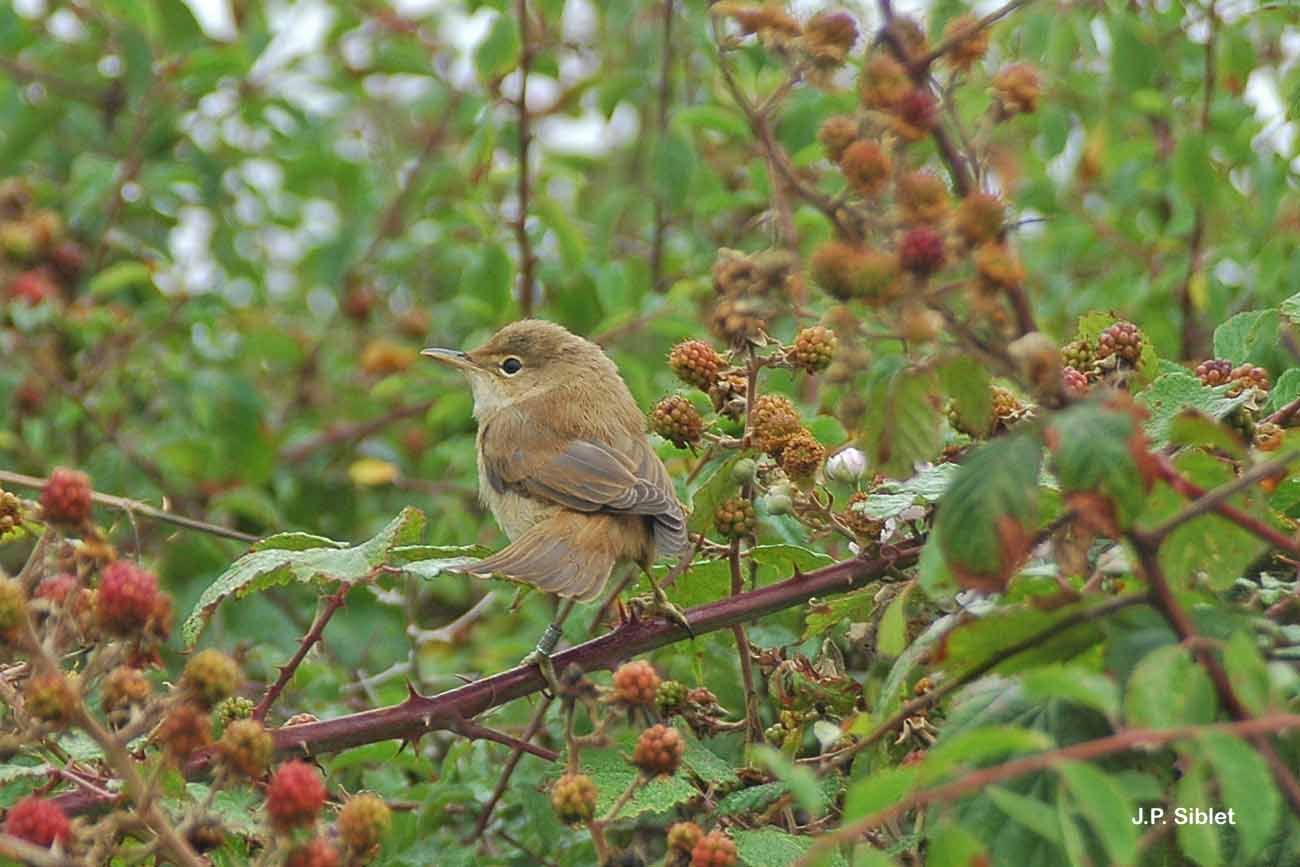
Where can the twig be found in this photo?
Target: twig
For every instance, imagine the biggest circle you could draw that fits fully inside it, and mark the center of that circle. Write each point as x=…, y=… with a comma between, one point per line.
x=665, y=97
x=982, y=778
x=527, y=259
x=753, y=725
x=1284, y=415
x=346, y=433
x=1216, y=501
x=135, y=507
x=474, y=731
x=534, y=726
x=37, y=856
x=945, y=45
x=332, y=604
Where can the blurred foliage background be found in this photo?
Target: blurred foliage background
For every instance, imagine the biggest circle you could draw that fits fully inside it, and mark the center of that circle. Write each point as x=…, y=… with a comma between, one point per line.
x=242, y=232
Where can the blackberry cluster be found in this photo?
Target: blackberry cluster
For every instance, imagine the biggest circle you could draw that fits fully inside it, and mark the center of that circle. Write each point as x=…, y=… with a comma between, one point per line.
x=814, y=348
x=735, y=518
x=1214, y=371
x=1124, y=340
x=696, y=363
x=1249, y=376
x=802, y=455
x=574, y=798
x=677, y=420
x=1075, y=383
x=772, y=421
x=659, y=751
x=636, y=684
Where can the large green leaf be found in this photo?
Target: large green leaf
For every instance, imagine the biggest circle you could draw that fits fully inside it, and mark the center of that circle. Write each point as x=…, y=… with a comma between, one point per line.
x=770, y=847
x=988, y=515
x=305, y=558
x=1098, y=453
x=1247, y=788
x=904, y=426
x=1168, y=688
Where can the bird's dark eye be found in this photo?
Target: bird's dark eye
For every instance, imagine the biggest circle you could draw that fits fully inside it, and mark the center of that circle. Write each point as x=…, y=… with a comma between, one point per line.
x=511, y=366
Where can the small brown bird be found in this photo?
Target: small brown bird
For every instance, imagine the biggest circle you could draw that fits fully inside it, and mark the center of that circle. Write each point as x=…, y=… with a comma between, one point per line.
x=564, y=464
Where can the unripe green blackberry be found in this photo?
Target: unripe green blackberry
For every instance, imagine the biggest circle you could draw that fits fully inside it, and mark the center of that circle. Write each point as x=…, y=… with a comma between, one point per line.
x=922, y=251
x=715, y=850
x=772, y=421
x=836, y=134
x=210, y=676
x=744, y=471
x=184, y=730
x=66, y=497
x=1074, y=382
x=363, y=822
x=1214, y=371
x=574, y=798
x=1078, y=354
x=777, y=503
x=1268, y=436
x=677, y=420
x=683, y=837
x=1123, y=339
x=246, y=747
x=1249, y=376
x=659, y=751
x=123, y=689
x=13, y=606
x=234, y=708
x=11, y=513
x=696, y=363
x=814, y=348
x=51, y=698
x=636, y=684
x=1242, y=420
x=866, y=167
x=774, y=734
x=735, y=518
x=669, y=697
x=979, y=219
x=802, y=455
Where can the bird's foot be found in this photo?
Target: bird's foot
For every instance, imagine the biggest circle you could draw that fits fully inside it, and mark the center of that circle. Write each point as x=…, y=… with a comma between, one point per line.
x=670, y=611
x=541, y=657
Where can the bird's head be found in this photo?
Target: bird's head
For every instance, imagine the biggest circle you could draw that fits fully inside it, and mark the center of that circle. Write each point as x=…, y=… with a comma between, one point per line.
x=525, y=359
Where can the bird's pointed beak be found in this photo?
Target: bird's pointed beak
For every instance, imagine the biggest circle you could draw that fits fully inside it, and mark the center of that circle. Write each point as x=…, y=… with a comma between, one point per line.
x=451, y=357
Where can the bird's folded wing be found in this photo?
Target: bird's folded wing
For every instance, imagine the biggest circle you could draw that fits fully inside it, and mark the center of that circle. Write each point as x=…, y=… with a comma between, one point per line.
x=625, y=476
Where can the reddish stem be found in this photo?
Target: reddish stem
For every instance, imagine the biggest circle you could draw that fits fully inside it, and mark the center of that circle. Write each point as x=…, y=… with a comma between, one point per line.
x=332, y=604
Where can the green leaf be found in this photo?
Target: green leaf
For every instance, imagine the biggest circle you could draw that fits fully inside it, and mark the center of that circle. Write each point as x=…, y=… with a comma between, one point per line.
x=498, y=53
x=904, y=426
x=1198, y=841
x=1284, y=391
x=891, y=637
x=1247, y=788
x=612, y=773
x=1095, y=451
x=1030, y=812
x=119, y=277
x=1193, y=169
x=327, y=561
x=822, y=615
x=491, y=276
x=951, y=845
x=967, y=384
x=718, y=485
x=1247, y=671
x=1108, y=808
x=881, y=789
x=674, y=166
x=978, y=747
x=1173, y=394
x=1253, y=337
x=1075, y=684
x=1167, y=689
x=987, y=518
x=769, y=847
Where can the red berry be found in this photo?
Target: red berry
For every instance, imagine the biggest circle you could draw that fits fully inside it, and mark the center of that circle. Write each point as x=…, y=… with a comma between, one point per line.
x=659, y=750
x=318, y=853
x=295, y=795
x=715, y=850
x=66, y=497
x=127, y=598
x=1076, y=384
x=1214, y=371
x=916, y=113
x=636, y=683
x=33, y=287
x=922, y=250
x=38, y=821
x=57, y=588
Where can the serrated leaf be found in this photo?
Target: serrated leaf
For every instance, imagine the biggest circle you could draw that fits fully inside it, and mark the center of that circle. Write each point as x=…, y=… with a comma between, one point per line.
x=1074, y=684
x=716, y=487
x=904, y=426
x=769, y=847
x=967, y=384
x=267, y=567
x=927, y=486
x=980, y=746
x=987, y=517
x=1247, y=671
x=1095, y=451
x=1197, y=840
x=822, y=615
x=1106, y=805
x=1247, y=788
x=612, y=773
x=1030, y=812
x=1172, y=394
x=1192, y=427
x=1167, y=689
x=951, y=845
x=1284, y=391
x=1253, y=337
x=975, y=642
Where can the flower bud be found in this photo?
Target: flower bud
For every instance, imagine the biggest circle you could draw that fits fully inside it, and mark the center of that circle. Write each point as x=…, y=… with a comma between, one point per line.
x=847, y=465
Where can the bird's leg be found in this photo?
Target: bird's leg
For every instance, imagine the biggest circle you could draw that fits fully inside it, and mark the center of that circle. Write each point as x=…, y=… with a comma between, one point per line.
x=541, y=655
x=665, y=607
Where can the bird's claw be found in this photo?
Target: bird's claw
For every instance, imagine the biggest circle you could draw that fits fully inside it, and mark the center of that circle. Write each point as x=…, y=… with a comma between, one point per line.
x=670, y=611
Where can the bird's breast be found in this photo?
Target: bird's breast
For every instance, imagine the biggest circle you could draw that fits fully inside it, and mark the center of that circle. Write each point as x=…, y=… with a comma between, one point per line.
x=515, y=513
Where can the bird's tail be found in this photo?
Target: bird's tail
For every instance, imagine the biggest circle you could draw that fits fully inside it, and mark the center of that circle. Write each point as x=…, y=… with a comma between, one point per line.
x=570, y=555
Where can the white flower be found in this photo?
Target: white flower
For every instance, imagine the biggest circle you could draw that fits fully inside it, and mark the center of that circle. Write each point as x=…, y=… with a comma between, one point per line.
x=847, y=465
